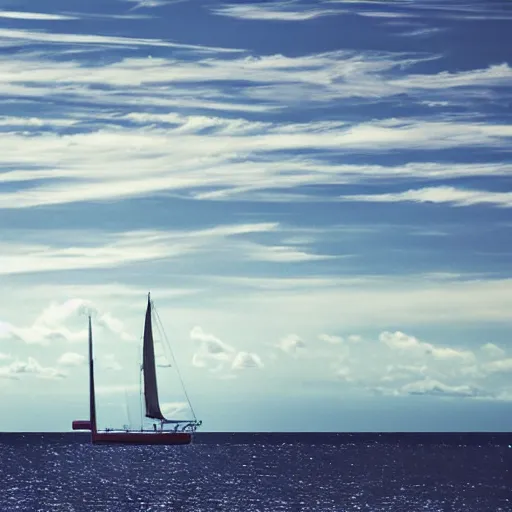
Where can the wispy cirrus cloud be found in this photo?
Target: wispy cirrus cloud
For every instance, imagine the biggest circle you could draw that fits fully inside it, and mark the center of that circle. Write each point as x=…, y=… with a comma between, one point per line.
x=268, y=82
x=150, y=4
x=278, y=11
x=98, y=250
x=460, y=10
x=234, y=157
x=439, y=195
x=38, y=16
x=497, y=74
x=26, y=36
x=298, y=11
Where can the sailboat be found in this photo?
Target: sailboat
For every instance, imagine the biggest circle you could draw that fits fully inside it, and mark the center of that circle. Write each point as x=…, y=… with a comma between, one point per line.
x=182, y=430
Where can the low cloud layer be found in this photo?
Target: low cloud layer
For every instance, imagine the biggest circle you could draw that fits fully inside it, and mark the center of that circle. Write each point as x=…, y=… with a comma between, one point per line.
x=291, y=344
x=217, y=356
x=30, y=368
x=71, y=359
x=52, y=325
x=398, y=364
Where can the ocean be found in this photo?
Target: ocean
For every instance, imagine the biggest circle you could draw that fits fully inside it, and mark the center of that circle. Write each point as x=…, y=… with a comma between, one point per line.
x=259, y=472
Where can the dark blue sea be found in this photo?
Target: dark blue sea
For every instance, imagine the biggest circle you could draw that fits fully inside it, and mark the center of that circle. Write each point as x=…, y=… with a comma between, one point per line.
x=259, y=472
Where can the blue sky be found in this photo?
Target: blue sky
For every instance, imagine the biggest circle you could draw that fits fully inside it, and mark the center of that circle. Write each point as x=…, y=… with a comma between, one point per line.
x=317, y=195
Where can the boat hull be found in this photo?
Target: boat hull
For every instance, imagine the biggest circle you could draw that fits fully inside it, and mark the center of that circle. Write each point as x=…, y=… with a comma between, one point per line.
x=141, y=438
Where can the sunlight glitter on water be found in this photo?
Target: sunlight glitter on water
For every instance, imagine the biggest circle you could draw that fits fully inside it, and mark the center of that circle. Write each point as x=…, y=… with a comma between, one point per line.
x=79, y=477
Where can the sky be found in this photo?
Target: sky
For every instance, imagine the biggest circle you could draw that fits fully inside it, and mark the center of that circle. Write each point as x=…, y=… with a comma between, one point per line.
x=317, y=194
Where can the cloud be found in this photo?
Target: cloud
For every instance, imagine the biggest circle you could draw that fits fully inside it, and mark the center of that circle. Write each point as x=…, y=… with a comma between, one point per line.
x=494, y=75
x=246, y=360
x=294, y=11
x=150, y=4
x=210, y=348
x=401, y=341
x=291, y=344
x=268, y=81
x=215, y=355
x=106, y=250
x=31, y=367
x=16, y=15
x=492, y=350
x=384, y=14
x=131, y=113
x=439, y=195
x=278, y=11
x=436, y=388
x=330, y=339
x=27, y=36
x=400, y=364
x=283, y=254
x=331, y=75
x=344, y=374
x=71, y=359
x=399, y=372
x=114, y=325
x=500, y=366
x=51, y=325
x=422, y=32
x=224, y=164
x=343, y=345
x=312, y=304
x=458, y=11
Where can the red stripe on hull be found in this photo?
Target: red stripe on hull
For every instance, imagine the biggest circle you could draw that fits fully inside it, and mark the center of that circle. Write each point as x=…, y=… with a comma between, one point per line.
x=160, y=438
x=82, y=425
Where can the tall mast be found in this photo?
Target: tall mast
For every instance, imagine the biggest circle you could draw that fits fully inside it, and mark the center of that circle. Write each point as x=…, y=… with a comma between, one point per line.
x=92, y=400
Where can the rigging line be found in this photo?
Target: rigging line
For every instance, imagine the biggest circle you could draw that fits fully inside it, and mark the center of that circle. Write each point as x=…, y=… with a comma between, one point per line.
x=161, y=330
x=175, y=364
x=164, y=345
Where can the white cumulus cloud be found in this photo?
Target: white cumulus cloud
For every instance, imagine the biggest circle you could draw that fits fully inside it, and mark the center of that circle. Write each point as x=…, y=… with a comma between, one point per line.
x=246, y=360
x=53, y=324
x=19, y=368
x=216, y=355
x=328, y=338
x=492, y=350
x=291, y=344
x=71, y=359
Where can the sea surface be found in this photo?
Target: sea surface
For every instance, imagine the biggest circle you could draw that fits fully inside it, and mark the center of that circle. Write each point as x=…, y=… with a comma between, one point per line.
x=264, y=472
